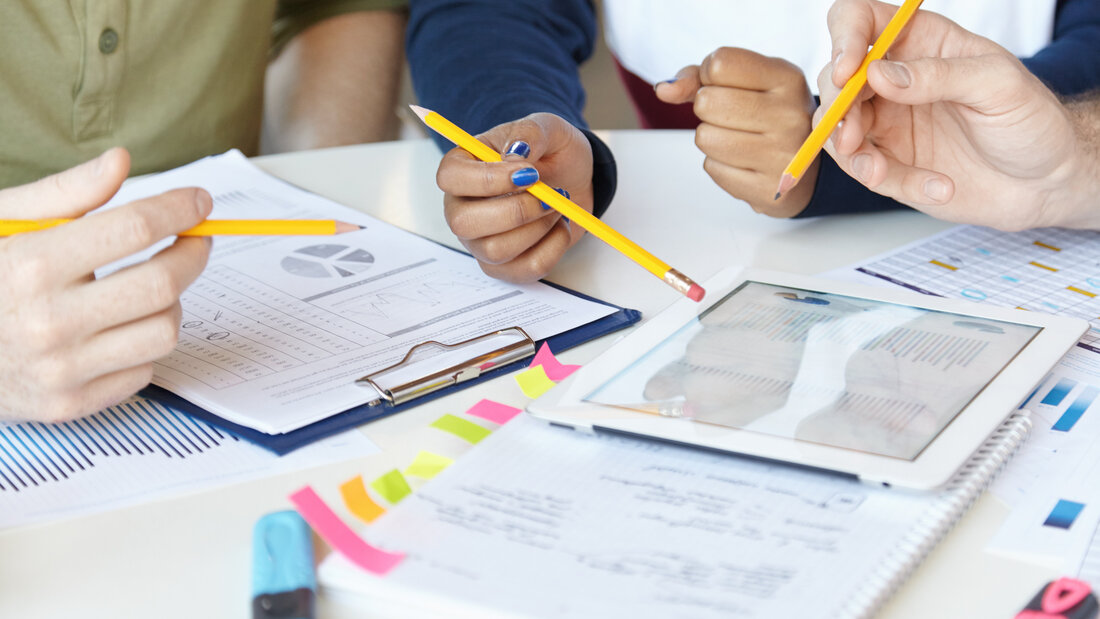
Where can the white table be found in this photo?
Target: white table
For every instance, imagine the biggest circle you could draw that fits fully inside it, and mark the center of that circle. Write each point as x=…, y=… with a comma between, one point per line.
x=191, y=556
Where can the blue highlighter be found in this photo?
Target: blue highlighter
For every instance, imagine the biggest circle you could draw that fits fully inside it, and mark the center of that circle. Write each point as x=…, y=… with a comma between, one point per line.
x=283, y=580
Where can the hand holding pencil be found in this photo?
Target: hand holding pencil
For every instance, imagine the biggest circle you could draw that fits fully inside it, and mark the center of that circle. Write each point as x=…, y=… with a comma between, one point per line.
x=952, y=124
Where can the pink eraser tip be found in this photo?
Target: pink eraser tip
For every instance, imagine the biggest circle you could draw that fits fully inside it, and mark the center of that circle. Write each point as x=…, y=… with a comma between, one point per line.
x=696, y=292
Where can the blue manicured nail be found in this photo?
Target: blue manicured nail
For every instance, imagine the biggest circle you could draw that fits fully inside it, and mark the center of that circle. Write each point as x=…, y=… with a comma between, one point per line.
x=546, y=207
x=525, y=177
x=519, y=147
x=667, y=81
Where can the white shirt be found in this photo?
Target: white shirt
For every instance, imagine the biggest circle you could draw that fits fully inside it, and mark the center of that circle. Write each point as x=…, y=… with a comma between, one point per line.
x=656, y=38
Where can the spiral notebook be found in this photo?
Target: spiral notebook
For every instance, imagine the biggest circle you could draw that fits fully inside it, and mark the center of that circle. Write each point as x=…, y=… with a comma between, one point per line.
x=542, y=521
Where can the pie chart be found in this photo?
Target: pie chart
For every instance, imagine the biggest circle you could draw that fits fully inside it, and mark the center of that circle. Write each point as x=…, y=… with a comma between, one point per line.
x=327, y=261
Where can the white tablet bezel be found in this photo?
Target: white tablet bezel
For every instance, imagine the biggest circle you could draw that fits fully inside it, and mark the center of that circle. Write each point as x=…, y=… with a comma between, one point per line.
x=932, y=468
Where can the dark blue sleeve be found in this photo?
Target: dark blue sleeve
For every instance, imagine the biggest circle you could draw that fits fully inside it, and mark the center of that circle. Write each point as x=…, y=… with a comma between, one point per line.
x=1069, y=65
x=481, y=63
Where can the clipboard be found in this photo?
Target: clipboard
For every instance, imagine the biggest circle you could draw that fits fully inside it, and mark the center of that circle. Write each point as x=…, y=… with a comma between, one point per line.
x=423, y=388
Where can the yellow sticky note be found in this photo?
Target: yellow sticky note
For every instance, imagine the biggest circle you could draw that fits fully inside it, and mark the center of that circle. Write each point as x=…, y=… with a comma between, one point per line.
x=392, y=486
x=427, y=465
x=358, y=501
x=461, y=428
x=534, y=381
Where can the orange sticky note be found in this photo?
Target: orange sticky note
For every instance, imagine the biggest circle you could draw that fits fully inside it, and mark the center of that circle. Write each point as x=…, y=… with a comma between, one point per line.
x=358, y=501
x=340, y=536
x=534, y=382
x=493, y=411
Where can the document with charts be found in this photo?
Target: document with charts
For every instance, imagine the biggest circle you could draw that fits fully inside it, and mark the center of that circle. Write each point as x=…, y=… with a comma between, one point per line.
x=1050, y=484
x=277, y=329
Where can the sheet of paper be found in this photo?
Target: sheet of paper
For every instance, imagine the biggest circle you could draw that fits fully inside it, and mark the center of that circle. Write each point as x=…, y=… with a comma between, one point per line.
x=277, y=329
x=135, y=452
x=545, y=521
x=1054, y=271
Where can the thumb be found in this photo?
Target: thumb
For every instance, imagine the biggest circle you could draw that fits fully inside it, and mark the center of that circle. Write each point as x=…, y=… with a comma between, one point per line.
x=70, y=193
x=987, y=84
x=682, y=88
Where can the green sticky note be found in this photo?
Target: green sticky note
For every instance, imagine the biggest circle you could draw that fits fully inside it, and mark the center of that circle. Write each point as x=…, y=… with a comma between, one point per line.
x=466, y=430
x=427, y=465
x=534, y=381
x=392, y=486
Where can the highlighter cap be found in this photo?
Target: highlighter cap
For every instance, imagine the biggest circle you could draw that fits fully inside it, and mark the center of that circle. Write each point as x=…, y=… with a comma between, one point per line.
x=282, y=554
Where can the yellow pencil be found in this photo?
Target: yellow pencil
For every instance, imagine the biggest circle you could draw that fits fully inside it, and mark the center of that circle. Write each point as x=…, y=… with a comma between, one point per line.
x=682, y=283
x=213, y=227
x=843, y=102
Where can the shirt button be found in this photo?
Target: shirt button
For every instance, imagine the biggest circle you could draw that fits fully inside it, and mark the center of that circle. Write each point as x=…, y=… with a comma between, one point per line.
x=108, y=41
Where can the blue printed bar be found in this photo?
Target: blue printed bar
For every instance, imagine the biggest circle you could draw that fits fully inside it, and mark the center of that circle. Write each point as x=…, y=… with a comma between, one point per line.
x=1073, y=413
x=1055, y=396
x=1063, y=514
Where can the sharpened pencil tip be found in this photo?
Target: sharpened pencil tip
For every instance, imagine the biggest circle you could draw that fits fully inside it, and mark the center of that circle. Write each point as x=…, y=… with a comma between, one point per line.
x=421, y=112
x=343, y=226
x=785, y=185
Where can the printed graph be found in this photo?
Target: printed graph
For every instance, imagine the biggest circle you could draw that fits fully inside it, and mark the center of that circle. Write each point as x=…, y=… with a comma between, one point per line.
x=35, y=454
x=1047, y=270
x=327, y=261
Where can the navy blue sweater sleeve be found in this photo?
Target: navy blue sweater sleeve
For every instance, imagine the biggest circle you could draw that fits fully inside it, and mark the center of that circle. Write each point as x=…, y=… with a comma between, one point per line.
x=481, y=63
x=1069, y=65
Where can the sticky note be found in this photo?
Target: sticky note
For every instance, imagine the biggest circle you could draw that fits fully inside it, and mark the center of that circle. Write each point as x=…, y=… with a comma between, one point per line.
x=359, y=502
x=338, y=535
x=466, y=430
x=534, y=382
x=392, y=486
x=555, y=370
x=493, y=411
x=427, y=465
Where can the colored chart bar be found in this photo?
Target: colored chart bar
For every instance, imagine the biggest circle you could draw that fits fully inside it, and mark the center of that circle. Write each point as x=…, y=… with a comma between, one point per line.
x=1073, y=413
x=1063, y=514
x=1055, y=396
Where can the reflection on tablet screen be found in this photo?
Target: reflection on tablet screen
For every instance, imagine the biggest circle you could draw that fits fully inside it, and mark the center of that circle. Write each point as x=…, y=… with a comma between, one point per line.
x=825, y=368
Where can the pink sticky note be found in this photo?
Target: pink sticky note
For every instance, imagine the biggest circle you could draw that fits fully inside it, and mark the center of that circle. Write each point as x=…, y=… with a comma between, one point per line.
x=338, y=535
x=554, y=369
x=493, y=411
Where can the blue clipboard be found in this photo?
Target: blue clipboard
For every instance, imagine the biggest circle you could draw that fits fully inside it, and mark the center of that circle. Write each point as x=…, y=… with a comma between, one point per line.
x=358, y=415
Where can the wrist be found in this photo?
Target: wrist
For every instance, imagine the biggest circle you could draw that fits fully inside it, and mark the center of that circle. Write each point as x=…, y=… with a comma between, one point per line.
x=1079, y=186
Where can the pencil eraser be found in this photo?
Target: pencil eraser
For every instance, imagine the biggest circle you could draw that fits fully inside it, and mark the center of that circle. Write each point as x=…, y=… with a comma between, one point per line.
x=696, y=292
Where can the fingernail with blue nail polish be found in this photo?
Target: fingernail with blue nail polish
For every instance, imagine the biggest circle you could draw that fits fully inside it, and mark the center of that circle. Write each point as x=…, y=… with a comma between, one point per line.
x=524, y=177
x=519, y=147
x=562, y=192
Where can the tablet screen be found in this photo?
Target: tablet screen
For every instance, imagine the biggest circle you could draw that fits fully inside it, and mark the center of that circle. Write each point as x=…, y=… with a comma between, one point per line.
x=844, y=371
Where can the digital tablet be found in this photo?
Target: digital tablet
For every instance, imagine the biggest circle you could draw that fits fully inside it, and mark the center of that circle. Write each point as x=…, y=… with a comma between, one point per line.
x=891, y=386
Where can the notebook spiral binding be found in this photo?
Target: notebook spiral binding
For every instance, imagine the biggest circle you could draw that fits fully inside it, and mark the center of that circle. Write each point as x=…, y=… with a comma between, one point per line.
x=968, y=484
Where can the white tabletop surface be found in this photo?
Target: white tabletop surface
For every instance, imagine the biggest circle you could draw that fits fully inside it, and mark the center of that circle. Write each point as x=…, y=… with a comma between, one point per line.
x=191, y=556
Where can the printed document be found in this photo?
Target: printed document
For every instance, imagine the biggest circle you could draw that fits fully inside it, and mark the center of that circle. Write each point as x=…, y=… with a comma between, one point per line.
x=277, y=329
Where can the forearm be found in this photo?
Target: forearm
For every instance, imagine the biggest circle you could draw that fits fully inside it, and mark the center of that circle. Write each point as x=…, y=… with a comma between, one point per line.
x=336, y=83
x=1081, y=191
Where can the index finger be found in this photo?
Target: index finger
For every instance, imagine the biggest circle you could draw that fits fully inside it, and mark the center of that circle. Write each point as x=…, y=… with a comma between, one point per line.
x=853, y=26
x=461, y=174
x=99, y=239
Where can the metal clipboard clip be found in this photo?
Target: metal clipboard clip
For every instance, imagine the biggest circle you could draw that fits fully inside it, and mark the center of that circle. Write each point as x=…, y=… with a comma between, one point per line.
x=431, y=366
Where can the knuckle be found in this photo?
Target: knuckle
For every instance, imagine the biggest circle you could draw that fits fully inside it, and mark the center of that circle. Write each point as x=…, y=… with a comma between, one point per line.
x=54, y=374
x=30, y=271
x=495, y=251
x=41, y=332
x=165, y=334
x=138, y=226
x=161, y=286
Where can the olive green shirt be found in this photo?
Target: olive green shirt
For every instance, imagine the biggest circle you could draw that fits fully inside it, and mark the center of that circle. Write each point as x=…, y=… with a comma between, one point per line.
x=171, y=80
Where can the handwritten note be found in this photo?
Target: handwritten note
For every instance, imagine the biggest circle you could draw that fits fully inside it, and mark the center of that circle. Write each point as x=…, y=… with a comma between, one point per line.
x=656, y=530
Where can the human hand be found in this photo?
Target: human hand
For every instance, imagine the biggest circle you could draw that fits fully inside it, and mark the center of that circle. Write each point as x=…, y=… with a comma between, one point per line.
x=952, y=124
x=73, y=344
x=755, y=114
x=511, y=233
